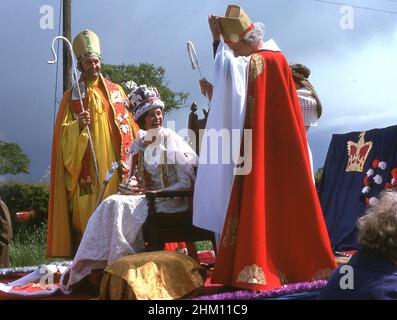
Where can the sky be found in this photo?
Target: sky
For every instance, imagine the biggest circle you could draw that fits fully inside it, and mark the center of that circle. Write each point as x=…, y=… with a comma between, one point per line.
x=349, y=45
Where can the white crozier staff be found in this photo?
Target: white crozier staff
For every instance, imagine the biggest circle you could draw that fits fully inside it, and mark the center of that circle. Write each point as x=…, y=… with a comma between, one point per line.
x=195, y=62
x=80, y=96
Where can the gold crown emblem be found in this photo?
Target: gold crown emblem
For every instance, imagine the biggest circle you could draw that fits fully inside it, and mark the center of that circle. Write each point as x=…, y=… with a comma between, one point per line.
x=358, y=153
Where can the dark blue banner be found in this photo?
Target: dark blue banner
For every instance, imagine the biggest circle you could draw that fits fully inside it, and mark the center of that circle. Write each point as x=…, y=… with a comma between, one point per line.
x=358, y=166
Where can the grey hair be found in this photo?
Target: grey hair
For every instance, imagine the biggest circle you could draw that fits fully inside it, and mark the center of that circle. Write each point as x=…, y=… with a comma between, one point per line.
x=255, y=35
x=377, y=229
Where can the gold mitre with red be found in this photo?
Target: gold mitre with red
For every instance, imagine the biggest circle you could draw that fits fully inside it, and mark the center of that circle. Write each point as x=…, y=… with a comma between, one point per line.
x=86, y=44
x=235, y=24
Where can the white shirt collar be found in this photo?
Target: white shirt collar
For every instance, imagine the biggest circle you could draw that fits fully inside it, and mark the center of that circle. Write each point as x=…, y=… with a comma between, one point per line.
x=270, y=45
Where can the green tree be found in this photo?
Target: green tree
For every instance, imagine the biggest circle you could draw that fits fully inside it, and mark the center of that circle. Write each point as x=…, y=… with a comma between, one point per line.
x=152, y=76
x=12, y=159
x=318, y=175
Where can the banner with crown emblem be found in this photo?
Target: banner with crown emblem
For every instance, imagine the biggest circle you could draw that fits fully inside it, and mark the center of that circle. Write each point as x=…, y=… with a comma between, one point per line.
x=358, y=166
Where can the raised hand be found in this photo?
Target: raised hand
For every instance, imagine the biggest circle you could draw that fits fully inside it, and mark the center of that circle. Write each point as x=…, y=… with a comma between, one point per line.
x=215, y=27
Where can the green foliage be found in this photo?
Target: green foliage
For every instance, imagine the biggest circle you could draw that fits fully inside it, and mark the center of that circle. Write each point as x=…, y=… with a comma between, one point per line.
x=145, y=73
x=25, y=197
x=203, y=245
x=12, y=159
x=29, y=244
x=317, y=176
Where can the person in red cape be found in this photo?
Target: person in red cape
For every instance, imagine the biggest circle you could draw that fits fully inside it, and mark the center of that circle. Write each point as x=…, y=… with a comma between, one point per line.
x=273, y=231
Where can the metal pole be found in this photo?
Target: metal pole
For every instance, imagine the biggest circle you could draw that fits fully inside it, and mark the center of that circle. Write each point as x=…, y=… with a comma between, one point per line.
x=67, y=33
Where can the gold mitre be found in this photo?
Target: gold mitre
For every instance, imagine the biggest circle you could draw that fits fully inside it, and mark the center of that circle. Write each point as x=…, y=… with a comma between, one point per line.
x=86, y=44
x=235, y=24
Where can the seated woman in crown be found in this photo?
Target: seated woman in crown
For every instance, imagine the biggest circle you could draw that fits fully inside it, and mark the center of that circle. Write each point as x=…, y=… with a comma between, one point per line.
x=159, y=160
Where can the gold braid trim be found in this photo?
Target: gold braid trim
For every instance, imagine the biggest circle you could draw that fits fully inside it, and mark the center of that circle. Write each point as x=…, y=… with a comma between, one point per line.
x=257, y=66
x=141, y=167
x=231, y=228
x=252, y=274
x=164, y=167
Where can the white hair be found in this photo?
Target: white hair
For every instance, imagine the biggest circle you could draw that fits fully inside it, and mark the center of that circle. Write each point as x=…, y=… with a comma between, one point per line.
x=255, y=35
x=377, y=229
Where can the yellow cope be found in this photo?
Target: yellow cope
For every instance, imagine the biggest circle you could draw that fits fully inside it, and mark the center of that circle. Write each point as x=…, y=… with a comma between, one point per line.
x=74, y=144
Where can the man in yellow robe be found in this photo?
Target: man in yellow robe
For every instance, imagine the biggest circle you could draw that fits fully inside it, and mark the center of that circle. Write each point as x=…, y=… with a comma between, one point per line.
x=75, y=185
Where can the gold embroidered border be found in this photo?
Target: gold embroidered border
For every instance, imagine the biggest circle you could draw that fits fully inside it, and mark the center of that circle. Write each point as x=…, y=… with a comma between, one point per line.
x=250, y=110
x=257, y=66
x=252, y=274
x=230, y=236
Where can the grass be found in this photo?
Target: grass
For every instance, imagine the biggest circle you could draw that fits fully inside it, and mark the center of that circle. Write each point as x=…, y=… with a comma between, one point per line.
x=29, y=244
x=203, y=245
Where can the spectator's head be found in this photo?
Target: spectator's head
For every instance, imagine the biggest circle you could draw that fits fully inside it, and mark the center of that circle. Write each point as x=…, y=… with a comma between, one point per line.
x=300, y=74
x=377, y=229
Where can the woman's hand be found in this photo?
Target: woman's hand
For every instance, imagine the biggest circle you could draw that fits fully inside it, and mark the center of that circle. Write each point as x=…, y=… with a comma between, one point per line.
x=137, y=190
x=132, y=187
